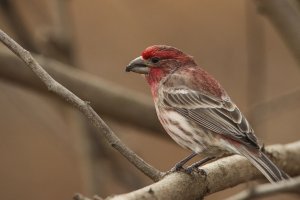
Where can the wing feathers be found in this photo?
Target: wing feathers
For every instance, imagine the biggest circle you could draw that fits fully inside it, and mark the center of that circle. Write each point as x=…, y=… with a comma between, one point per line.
x=216, y=114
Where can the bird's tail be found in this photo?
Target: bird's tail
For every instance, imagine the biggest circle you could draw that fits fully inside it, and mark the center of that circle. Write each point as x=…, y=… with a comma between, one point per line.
x=265, y=165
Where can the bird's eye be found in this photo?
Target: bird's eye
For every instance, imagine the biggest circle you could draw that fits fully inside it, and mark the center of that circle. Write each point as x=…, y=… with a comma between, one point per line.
x=154, y=60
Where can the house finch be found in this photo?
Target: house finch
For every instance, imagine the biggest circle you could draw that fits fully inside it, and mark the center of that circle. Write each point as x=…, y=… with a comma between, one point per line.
x=196, y=111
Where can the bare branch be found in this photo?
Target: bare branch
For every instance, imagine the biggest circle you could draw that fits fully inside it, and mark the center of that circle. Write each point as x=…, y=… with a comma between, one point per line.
x=81, y=105
x=221, y=174
x=291, y=186
x=285, y=17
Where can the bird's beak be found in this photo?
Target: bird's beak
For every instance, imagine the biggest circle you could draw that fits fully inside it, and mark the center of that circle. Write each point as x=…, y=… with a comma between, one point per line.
x=138, y=65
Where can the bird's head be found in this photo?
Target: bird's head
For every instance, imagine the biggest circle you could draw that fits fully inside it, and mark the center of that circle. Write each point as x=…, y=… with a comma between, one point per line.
x=158, y=61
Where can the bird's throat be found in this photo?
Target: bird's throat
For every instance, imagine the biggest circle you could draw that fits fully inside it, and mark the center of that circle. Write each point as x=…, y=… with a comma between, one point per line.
x=154, y=78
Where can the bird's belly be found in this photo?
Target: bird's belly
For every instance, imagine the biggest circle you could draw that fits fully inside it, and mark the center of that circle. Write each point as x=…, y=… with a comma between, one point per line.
x=187, y=134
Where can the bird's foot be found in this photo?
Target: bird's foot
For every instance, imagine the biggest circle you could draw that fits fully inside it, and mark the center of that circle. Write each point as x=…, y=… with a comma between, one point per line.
x=192, y=168
x=197, y=170
x=196, y=165
x=179, y=166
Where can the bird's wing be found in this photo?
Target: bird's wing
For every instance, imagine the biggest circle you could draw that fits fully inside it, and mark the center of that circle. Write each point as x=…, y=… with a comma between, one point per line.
x=216, y=114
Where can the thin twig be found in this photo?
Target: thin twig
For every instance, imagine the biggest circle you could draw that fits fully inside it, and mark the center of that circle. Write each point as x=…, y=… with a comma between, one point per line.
x=83, y=106
x=291, y=186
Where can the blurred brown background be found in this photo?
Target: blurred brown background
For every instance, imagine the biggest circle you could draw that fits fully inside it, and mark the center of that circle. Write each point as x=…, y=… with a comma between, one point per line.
x=48, y=150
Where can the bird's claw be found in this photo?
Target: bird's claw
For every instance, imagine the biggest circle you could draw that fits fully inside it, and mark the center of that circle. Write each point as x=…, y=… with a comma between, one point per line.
x=192, y=168
x=202, y=172
x=188, y=170
x=177, y=168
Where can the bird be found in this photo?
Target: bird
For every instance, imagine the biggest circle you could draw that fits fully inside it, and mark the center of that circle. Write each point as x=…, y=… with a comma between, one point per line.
x=196, y=111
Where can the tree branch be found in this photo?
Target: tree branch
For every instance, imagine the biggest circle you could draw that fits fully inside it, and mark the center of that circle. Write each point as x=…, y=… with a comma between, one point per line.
x=221, y=174
x=81, y=105
x=291, y=186
x=285, y=17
